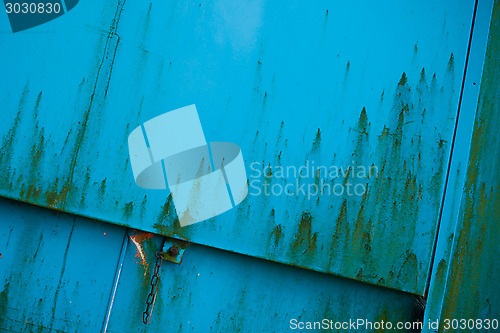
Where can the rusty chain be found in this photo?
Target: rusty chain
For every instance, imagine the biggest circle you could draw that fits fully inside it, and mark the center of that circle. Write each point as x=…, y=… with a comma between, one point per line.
x=150, y=301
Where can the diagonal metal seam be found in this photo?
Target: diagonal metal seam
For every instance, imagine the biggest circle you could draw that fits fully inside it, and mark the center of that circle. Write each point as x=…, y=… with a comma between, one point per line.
x=448, y=192
x=81, y=132
x=116, y=280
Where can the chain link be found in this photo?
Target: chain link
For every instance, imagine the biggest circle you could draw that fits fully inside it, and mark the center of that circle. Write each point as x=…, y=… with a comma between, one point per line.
x=150, y=301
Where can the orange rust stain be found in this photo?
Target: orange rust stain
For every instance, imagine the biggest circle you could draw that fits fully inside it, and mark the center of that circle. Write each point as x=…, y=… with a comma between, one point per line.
x=138, y=240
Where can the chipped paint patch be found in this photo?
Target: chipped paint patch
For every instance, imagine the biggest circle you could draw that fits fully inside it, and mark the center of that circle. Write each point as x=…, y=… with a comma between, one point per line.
x=138, y=240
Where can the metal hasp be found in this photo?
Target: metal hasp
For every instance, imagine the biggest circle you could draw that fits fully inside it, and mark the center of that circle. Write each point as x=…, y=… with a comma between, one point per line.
x=173, y=250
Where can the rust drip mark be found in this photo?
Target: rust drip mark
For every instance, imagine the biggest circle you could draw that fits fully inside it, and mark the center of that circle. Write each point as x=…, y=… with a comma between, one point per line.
x=168, y=222
x=409, y=269
x=128, y=209
x=36, y=155
x=279, y=138
x=53, y=197
x=80, y=135
x=167, y=210
x=403, y=80
x=272, y=217
x=382, y=317
x=441, y=272
x=138, y=240
x=102, y=189
x=9, y=139
x=305, y=239
x=451, y=63
x=396, y=178
x=85, y=187
x=317, y=142
x=363, y=122
x=362, y=139
x=422, y=76
x=144, y=205
x=276, y=235
x=342, y=225
x=258, y=73
x=255, y=138
x=361, y=236
x=385, y=132
x=4, y=302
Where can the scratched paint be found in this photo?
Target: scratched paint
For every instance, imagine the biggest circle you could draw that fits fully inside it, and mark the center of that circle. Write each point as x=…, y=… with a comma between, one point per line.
x=286, y=93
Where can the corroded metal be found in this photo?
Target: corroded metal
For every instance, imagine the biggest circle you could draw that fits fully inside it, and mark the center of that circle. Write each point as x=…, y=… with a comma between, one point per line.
x=51, y=279
x=287, y=93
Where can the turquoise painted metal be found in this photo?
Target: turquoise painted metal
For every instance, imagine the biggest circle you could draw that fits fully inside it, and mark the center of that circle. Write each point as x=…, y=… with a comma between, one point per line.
x=466, y=272
x=56, y=270
x=294, y=84
x=57, y=274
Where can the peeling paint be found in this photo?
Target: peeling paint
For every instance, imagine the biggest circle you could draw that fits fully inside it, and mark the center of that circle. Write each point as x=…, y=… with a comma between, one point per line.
x=138, y=240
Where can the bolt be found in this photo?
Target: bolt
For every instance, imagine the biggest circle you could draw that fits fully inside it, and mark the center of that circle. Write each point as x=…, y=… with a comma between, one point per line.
x=173, y=251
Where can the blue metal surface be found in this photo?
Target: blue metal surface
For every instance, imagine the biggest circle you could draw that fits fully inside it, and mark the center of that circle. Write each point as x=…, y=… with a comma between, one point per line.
x=464, y=281
x=219, y=291
x=329, y=84
x=57, y=273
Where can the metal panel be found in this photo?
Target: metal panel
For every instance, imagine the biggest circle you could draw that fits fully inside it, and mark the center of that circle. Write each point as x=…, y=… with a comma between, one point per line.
x=332, y=84
x=56, y=270
x=466, y=268
x=219, y=291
